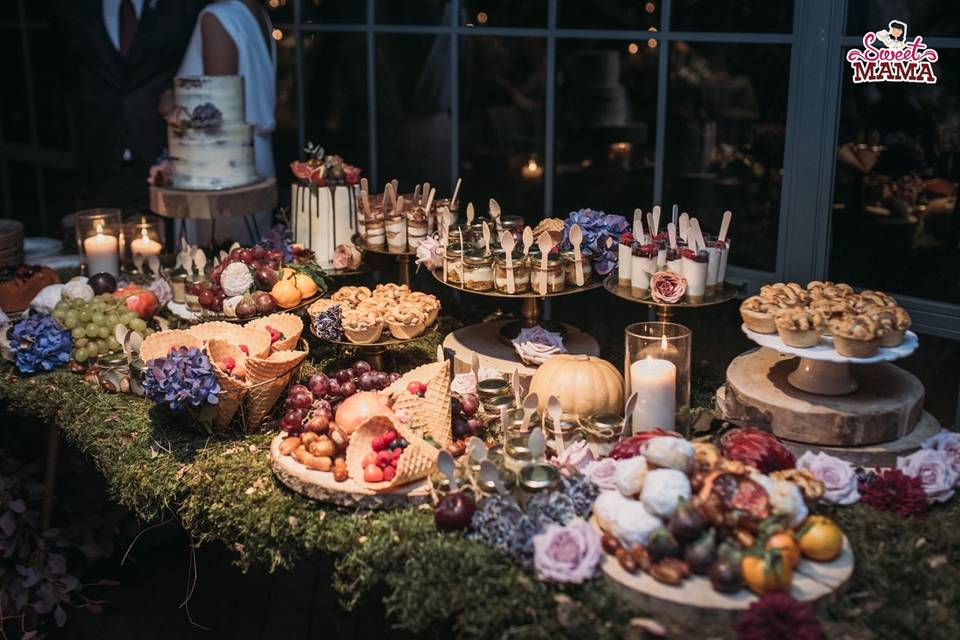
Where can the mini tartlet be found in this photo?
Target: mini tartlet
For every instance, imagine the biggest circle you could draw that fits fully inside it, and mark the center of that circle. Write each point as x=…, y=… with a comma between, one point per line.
x=758, y=312
x=406, y=321
x=892, y=324
x=829, y=310
x=799, y=327
x=855, y=336
x=427, y=303
x=391, y=291
x=788, y=295
x=877, y=299
x=351, y=296
x=362, y=326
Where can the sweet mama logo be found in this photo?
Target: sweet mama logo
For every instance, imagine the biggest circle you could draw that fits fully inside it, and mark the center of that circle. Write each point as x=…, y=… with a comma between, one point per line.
x=887, y=56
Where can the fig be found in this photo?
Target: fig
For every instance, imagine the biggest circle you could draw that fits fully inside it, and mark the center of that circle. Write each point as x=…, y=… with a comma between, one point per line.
x=454, y=511
x=662, y=544
x=702, y=554
x=102, y=283
x=264, y=302
x=686, y=523
x=246, y=308
x=725, y=576
x=266, y=277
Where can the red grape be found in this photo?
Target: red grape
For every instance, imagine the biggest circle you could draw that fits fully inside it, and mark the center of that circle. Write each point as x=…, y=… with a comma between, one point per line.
x=301, y=400
x=360, y=367
x=246, y=256
x=394, y=376
x=381, y=380
x=235, y=254
x=344, y=375
x=469, y=404
x=475, y=425
x=348, y=388
x=333, y=389
x=206, y=298
x=297, y=388
x=258, y=252
x=319, y=384
x=461, y=428
x=367, y=382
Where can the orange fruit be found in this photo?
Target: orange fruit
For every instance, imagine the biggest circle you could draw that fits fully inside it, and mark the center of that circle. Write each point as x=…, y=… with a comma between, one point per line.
x=767, y=572
x=286, y=293
x=821, y=539
x=306, y=285
x=787, y=545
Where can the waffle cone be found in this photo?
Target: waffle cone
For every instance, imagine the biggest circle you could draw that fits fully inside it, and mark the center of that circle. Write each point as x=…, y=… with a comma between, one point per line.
x=289, y=325
x=219, y=349
x=418, y=459
x=268, y=378
x=257, y=340
x=159, y=344
x=435, y=412
x=210, y=330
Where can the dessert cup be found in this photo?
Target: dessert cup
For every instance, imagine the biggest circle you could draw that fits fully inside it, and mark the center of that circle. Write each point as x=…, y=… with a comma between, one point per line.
x=624, y=266
x=714, y=249
x=416, y=227
x=396, y=231
x=694, y=268
x=674, y=263
x=375, y=236
x=643, y=265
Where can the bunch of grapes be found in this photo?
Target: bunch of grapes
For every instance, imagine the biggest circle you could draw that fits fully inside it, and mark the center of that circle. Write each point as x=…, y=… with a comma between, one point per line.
x=265, y=263
x=465, y=420
x=93, y=324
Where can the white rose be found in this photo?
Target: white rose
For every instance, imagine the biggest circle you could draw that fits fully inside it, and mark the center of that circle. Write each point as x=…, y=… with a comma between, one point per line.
x=236, y=279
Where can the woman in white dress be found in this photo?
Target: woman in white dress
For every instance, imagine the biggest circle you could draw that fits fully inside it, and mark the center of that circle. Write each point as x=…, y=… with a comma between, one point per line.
x=234, y=37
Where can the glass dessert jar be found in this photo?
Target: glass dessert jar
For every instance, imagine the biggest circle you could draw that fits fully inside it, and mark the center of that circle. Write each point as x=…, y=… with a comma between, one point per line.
x=492, y=387
x=178, y=287
x=513, y=224
x=570, y=268
x=416, y=226
x=476, y=232
x=520, y=268
x=643, y=262
x=453, y=258
x=477, y=271
x=569, y=429
x=549, y=280
x=602, y=432
x=191, y=295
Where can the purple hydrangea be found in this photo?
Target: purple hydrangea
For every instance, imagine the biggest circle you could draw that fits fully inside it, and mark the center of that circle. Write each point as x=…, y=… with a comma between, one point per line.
x=279, y=239
x=40, y=343
x=328, y=324
x=185, y=378
x=597, y=227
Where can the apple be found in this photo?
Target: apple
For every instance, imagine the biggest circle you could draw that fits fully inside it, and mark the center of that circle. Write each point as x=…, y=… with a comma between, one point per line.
x=454, y=511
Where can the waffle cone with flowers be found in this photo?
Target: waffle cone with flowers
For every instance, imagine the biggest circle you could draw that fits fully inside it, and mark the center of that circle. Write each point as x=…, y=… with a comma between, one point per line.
x=161, y=343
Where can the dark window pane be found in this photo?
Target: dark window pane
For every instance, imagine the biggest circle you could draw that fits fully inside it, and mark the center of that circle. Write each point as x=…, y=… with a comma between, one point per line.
x=725, y=136
x=13, y=107
x=60, y=187
x=335, y=76
x=605, y=125
x=413, y=11
x=23, y=197
x=282, y=10
x=738, y=16
x=608, y=14
x=285, y=147
x=50, y=91
x=413, y=110
x=9, y=11
x=927, y=18
x=502, y=85
x=37, y=10
x=895, y=224
x=334, y=11
x=504, y=13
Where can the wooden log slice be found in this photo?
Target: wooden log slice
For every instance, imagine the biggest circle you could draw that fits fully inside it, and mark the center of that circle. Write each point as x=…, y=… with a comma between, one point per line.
x=887, y=405
x=321, y=486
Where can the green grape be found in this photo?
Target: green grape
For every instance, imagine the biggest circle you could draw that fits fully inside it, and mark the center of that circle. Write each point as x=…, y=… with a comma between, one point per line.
x=92, y=330
x=70, y=315
x=63, y=304
x=138, y=325
x=59, y=314
x=84, y=315
x=112, y=343
x=80, y=355
x=81, y=342
x=70, y=322
x=103, y=332
x=77, y=332
x=78, y=303
x=92, y=348
x=130, y=316
x=112, y=320
x=102, y=346
x=98, y=317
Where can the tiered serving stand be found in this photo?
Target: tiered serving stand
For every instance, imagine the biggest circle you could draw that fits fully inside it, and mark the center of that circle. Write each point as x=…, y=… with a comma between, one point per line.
x=865, y=410
x=404, y=260
x=181, y=311
x=375, y=353
x=665, y=310
x=490, y=341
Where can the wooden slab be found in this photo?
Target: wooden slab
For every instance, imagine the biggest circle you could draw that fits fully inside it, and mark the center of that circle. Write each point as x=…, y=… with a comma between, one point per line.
x=320, y=485
x=696, y=600
x=484, y=340
x=886, y=406
x=208, y=205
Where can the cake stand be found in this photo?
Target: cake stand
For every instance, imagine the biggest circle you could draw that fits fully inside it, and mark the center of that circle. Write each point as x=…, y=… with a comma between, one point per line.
x=403, y=260
x=214, y=204
x=205, y=315
x=665, y=309
x=374, y=353
x=531, y=310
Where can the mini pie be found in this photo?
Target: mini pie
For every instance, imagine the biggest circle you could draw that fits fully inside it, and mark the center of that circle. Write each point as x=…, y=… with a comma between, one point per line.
x=892, y=324
x=351, y=296
x=406, y=321
x=391, y=291
x=757, y=313
x=362, y=326
x=427, y=303
x=855, y=336
x=877, y=299
x=830, y=309
x=380, y=305
x=320, y=306
x=798, y=327
x=789, y=295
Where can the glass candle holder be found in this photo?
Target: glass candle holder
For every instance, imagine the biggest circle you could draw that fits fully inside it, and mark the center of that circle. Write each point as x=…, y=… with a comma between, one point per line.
x=98, y=240
x=142, y=239
x=657, y=369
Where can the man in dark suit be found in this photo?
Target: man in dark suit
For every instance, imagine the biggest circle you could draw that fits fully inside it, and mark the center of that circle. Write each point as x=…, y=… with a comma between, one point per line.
x=123, y=55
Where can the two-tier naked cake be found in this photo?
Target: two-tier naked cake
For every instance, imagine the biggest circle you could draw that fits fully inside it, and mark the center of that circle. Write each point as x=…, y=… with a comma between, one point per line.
x=211, y=147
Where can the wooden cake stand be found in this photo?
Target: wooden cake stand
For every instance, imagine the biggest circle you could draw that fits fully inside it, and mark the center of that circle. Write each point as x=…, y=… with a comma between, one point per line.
x=865, y=410
x=665, y=309
x=214, y=204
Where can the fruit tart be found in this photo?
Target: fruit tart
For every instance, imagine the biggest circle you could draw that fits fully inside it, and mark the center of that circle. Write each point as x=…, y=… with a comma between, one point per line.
x=855, y=336
x=351, y=296
x=362, y=326
x=892, y=324
x=799, y=327
x=757, y=313
x=406, y=321
x=788, y=295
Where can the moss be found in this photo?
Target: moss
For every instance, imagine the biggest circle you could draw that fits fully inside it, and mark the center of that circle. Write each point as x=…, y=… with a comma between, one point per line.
x=906, y=584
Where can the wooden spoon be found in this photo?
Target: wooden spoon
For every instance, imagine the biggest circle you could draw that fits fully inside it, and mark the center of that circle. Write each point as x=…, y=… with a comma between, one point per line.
x=725, y=225
x=628, y=415
x=517, y=389
x=576, y=239
x=655, y=228
x=530, y=404
x=527, y=241
x=493, y=209
x=456, y=192
x=672, y=234
x=536, y=443
x=447, y=465
x=508, y=242
x=470, y=213
x=546, y=244
x=556, y=413
x=638, y=226
x=475, y=367
x=490, y=474
x=684, y=227
x=485, y=228
x=477, y=449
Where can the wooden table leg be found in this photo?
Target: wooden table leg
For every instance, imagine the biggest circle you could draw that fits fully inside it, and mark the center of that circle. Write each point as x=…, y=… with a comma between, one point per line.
x=50, y=475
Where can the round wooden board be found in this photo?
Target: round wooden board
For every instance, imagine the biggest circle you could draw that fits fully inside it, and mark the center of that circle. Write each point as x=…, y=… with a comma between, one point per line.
x=696, y=600
x=887, y=405
x=320, y=485
x=210, y=205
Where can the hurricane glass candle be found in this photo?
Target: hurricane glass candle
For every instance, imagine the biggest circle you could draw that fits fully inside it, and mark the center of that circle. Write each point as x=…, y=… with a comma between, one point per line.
x=657, y=369
x=98, y=240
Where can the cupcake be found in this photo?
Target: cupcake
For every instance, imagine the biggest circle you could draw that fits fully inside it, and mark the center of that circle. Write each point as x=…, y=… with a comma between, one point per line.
x=855, y=336
x=798, y=327
x=892, y=324
x=406, y=321
x=362, y=326
x=758, y=312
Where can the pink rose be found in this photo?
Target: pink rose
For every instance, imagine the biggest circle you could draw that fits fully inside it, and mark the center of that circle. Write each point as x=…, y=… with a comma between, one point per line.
x=602, y=473
x=567, y=553
x=949, y=443
x=934, y=470
x=346, y=256
x=838, y=477
x=667, y=286
x=577, y=455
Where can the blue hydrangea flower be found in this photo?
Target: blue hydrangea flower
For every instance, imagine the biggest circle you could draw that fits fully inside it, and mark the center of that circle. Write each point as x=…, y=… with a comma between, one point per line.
x=185, y=378
x=40, y=343
x=599, y=230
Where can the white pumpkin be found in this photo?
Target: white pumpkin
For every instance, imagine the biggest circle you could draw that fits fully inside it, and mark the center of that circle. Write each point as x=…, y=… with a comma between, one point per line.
x=584, y=384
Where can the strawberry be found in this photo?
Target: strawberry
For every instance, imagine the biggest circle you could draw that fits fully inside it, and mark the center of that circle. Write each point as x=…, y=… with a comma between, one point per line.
x=384, y=458
x=228, y=364
x=378, y=444
x=245, y=349
x=389, y=473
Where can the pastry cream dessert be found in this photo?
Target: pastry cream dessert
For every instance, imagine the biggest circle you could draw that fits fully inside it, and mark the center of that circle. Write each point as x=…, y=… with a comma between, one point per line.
x=799, y=327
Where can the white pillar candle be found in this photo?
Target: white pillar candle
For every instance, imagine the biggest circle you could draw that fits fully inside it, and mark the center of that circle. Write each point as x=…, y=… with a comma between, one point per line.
x=102, y=252
x=654, y=381
x=144, y=246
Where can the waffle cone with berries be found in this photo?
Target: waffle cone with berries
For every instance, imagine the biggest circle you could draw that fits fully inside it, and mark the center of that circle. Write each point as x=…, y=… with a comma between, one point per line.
x=161, y=343
x=288, y=325
x=415, y=461
x=229, y=364
x=255, y=341
x=268, y=378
